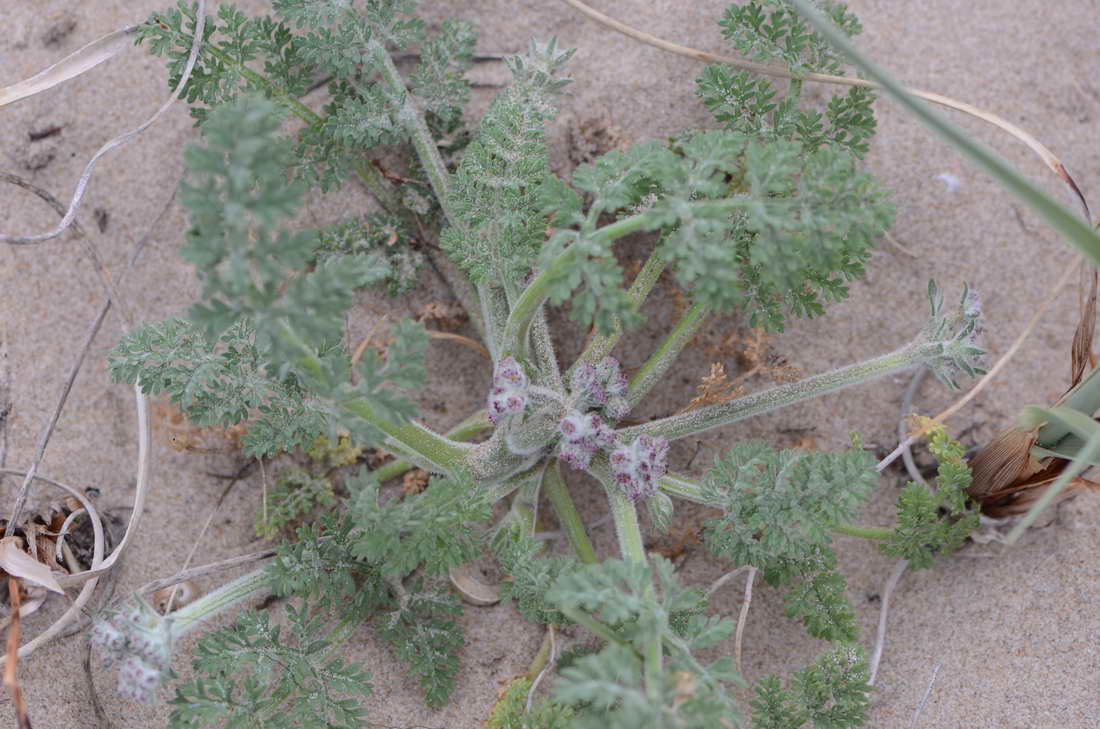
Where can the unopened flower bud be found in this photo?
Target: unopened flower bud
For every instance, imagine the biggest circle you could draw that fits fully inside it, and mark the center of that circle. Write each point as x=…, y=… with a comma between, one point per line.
x=508, y=393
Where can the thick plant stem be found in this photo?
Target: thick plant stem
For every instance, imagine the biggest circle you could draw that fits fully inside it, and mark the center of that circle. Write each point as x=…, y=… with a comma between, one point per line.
x=714, y=416
x=632, y=547
x=538, y=291
x=540, y=659
x=659, y=363
x=440, y=453
x=567, y=514
x=683, y=487
x=422, y=140
x=595, y=626
x=602, y=344
x=494, y=310
x=854, y=530
x=446, y=455
x=223, y=598
x=626, y=525
x=468, y=429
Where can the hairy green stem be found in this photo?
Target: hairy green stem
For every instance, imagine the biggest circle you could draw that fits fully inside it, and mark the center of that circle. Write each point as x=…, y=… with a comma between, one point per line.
x=538, y=291
x=540, y=659
x=854, y=530
x=567, y=514
x=422, y=140
x=627, y=529
x=601, y=345
x=445, y=454
x=441, y=453
x=212, y=603
x=625, y=514
x=715, y=416
x=468, y=429
x=659, y=363
x=595, y=626
x=376, y=183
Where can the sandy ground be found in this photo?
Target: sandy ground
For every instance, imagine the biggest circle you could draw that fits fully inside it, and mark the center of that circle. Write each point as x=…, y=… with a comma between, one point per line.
x=1010, y=635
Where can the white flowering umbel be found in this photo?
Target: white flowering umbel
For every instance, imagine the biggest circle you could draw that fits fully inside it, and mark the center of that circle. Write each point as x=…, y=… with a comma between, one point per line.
x=638, y=466
x=508, y=394
x=139, y=640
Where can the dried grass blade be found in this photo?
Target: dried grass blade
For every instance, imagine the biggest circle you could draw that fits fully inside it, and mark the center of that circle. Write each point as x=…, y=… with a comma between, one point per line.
x=71, y=66
x=1048, y=157
x=1081, y=352
x=1076, y=231
x=18, y=563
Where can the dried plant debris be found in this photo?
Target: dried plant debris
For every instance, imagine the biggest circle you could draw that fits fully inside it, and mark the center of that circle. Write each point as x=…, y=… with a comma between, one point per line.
x=414, y=482
x=443, y=315
x=714, y=389
x=1008, y=479
x=58, y=539
x=592, y=137
x=171, y=427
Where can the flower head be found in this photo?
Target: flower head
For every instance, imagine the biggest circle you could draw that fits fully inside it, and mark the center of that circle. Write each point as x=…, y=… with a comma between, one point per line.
x=601, y=385
x=141, y=641
x=508, y=393
x=638, y=466
x=582, y=435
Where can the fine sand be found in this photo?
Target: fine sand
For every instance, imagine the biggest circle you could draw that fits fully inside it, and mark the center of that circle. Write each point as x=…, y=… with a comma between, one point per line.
x=1009, y=635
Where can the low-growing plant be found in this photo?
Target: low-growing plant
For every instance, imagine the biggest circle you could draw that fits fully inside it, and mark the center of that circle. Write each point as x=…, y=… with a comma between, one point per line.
x=770, y=214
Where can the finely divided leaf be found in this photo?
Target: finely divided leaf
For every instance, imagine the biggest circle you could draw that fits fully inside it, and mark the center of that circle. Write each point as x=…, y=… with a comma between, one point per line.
x=497, y=228
x=782, y=505
x=255, y=674
x=773, y=31
x=436, y=528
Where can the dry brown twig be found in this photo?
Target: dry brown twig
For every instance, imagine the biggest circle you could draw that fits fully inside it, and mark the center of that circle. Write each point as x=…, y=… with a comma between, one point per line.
x=10, y=679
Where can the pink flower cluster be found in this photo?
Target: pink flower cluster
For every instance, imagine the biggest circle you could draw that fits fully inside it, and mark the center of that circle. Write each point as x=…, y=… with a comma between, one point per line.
x=638, y=466
x=508, y=394
x=582, y=436
x=140, y=639
x=601, y=385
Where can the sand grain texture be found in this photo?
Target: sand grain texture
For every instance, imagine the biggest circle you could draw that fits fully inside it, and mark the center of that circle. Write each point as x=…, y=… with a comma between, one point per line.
x=1014, y=634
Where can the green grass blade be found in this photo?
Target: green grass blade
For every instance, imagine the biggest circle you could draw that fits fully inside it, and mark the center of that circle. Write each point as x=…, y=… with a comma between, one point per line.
x=1077, y=231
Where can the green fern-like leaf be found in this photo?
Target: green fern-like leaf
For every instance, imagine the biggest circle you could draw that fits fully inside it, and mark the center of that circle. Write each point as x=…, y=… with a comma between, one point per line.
x=497, y=228
x=816, y=594
x=773, y=31
x=296, y=494
x=423, y=632
x=436, y=528
x=255, y=674
x=319, y=565
x=530, y=577
x=781, y=506
x=510, y=712
x=931, y=523
x=831, y=693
